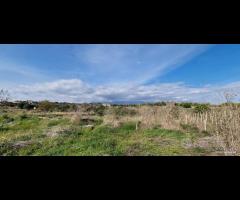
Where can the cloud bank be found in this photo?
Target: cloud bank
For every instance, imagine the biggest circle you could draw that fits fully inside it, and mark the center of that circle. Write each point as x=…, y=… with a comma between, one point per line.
x=109, y=73
x=75, y=90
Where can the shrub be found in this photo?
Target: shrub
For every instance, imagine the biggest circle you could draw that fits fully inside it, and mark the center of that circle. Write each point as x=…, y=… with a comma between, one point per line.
x=185, y=105
x=190, y=128
x=122, y=111
x=63, y=107
x=25, y=105
x=3, y=128
x=5, y=116
x=7, y=104
x=232, y=105
x=161, y=103
x=73, y=107
x=23, y=116
x=175, y=112
x=46, y=106
x=7, y=119
x=201, y=108
x=99, y=110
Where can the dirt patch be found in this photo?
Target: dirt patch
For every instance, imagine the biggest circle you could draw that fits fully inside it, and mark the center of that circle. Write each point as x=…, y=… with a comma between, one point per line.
x=20, y=144
x=162, y=141
x=56, y=131
x=205, y=142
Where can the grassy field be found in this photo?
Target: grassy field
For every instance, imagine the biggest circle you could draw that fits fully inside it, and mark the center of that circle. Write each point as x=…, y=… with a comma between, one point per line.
x=116, y=132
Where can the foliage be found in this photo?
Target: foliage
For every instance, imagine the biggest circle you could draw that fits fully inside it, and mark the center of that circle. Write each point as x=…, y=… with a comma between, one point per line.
x=160, y=103
x=25, y=105
x=46, y=106
x=24, y=132
x=189, y=128
x=64, y=107
x=201, y=108
x=185, y=104
x=23, y=116
x=99, y=110
x=7, y=119
x=123, y=111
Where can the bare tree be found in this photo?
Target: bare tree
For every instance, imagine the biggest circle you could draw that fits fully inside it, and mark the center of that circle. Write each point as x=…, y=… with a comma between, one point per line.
x=4, y=95
x=229, y=95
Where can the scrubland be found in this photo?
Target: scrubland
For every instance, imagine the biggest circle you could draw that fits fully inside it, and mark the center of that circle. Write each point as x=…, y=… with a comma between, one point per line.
x=164, y=129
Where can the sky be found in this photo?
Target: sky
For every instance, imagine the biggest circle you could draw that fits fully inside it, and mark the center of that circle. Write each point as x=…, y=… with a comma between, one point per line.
x=120, y=72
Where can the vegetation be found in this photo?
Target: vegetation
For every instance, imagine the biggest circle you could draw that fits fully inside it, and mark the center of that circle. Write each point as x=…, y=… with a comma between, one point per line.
x=162, y=103
x=4, y=96
x=103, y=140
x=123, y=111
x=185, y=105
x=25, y=105
x=201, y=108
x=140, y=130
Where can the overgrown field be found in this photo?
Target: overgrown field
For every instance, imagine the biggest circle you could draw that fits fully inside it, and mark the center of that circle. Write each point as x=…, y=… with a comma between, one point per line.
x=146, y=130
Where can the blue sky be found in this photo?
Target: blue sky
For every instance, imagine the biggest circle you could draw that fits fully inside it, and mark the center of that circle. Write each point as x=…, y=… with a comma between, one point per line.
x=108, y=73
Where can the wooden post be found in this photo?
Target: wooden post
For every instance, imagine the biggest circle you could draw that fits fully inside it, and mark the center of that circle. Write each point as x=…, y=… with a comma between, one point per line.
x=137, y=125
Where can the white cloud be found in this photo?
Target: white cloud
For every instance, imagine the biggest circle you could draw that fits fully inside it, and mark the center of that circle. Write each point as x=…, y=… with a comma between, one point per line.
x=118, y=72
x=61, y=90
x=134, y=63
x=75, y=90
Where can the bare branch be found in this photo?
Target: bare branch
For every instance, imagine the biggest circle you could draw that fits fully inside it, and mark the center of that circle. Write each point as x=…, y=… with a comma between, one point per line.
x=4, y=95
x=229, y=95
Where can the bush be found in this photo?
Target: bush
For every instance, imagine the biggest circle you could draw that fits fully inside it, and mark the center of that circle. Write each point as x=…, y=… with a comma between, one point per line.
x=232, y=105
x=175, y=112
x=5, y=116
x=201, y=108
x=122, y=111
x=190, y=128
x=3, y=128
x=185, y=105
x=7, y=119
x=99, y=110
x=23, y=116
x=46, y=106
x=25, y=105
x=7, y=104
x=161, y=103
x=73, y=107
x=63, y=107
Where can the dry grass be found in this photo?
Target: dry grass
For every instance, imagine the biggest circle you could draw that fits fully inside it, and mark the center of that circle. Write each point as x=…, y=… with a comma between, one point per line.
x=221, y=123
x=218, y=127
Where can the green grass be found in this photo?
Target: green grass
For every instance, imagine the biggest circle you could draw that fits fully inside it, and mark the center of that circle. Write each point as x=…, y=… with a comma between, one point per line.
x=75, y=140
x=57, y=122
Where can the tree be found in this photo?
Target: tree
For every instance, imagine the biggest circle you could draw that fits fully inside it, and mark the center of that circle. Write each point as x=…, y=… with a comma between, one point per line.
x=4, y=95
x=229, y=95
